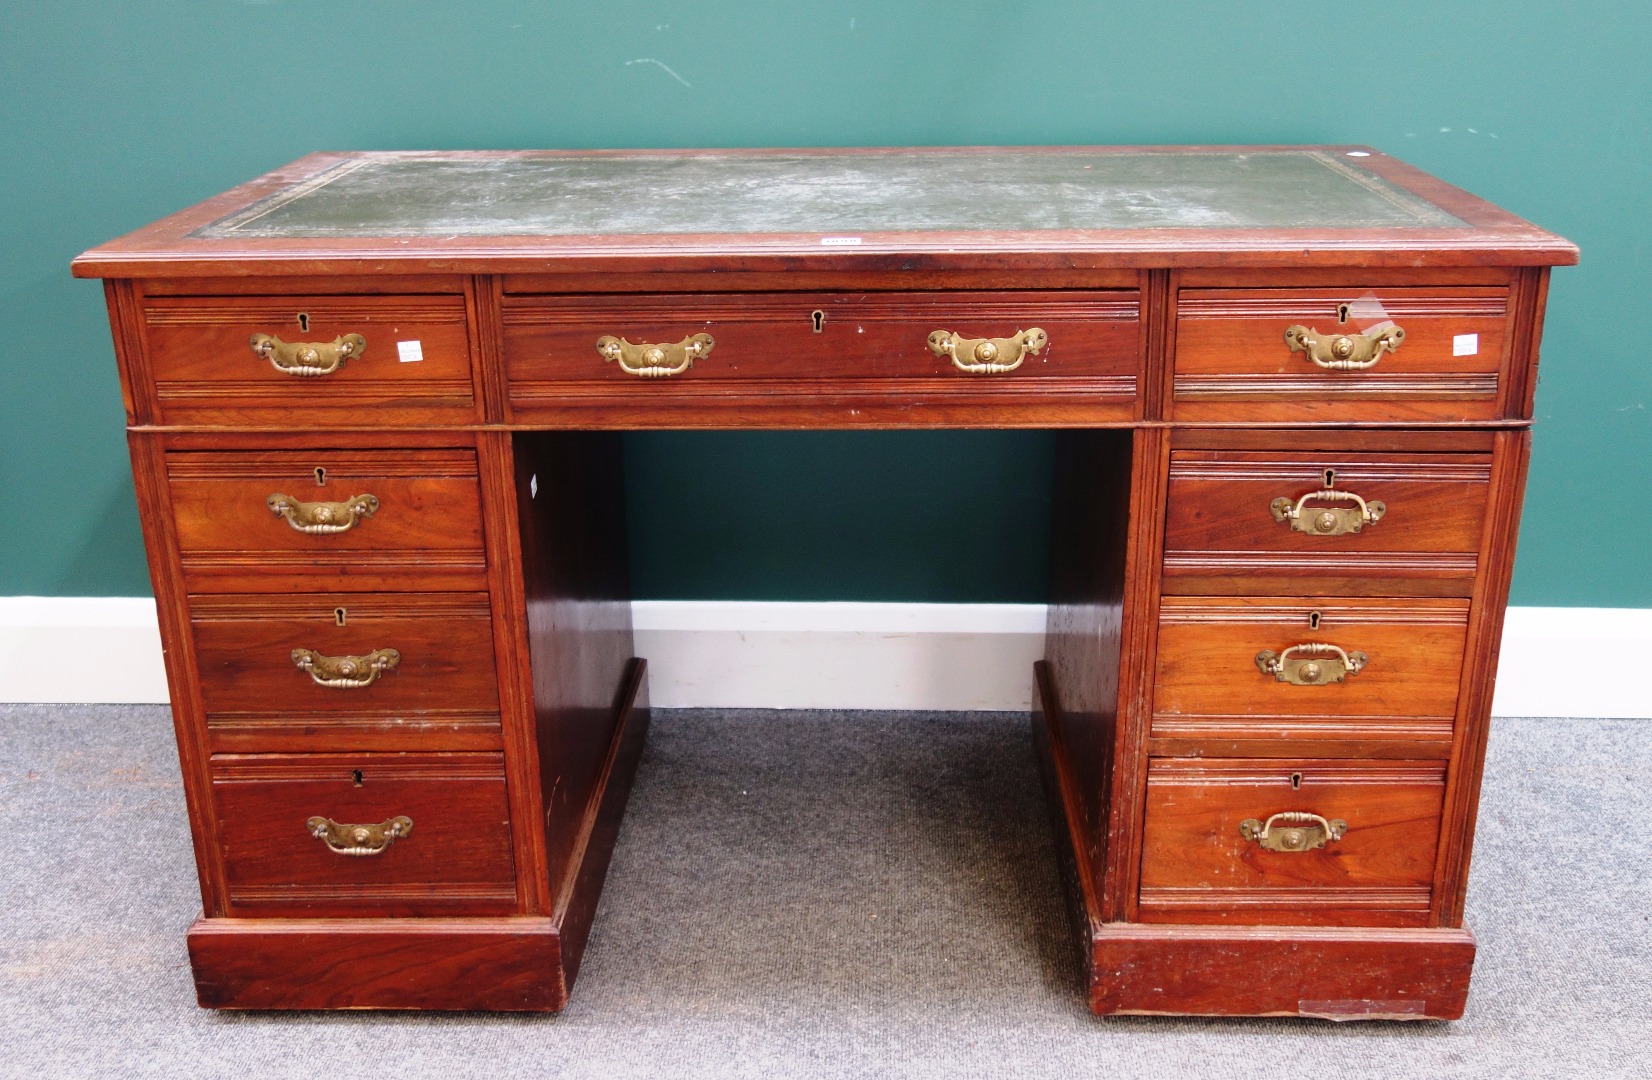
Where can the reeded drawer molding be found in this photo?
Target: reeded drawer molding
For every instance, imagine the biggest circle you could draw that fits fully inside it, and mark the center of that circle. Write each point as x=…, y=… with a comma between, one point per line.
x=429, y=729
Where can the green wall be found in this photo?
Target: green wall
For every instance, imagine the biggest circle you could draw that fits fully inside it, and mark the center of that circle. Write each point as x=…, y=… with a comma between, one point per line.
x=114, y=114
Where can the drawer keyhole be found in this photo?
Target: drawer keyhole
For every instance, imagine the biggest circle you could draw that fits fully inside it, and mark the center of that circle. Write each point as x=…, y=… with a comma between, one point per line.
x=1296, y=781
x=304, y=321
x=320, y=476
x=340, y=615
x=1342, y=313
x=817, y=318
x=1313, y=620
x=1330, y=478
x=355, y=777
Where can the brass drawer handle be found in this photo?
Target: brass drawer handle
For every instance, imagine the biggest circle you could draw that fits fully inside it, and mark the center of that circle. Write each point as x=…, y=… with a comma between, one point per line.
x=1345, y=352
x=1328, y=520
x=1298, y=831
x=322, y=518
x=359, y=839
x=655, y=361
x=1320, y=665
x=988, y=356
x=307, y=358
x=346, y=672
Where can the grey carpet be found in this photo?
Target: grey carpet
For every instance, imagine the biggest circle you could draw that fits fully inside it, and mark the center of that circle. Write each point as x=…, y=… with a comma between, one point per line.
x=812, y=894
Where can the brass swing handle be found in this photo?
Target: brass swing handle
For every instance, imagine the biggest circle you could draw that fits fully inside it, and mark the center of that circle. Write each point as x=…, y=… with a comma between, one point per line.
x=359, y=839
x=346, y=672
x=655, y=361
x=322, y=518
x=1319, y=664
x=988, y=356
x=308, y=358
x=1345, y=352
x=1297, y=831
x=1328, y=520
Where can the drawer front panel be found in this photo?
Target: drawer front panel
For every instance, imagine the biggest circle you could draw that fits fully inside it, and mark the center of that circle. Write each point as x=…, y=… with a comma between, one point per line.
x=1372, y=523
x=1209, y=668
x=871, y=343
x=205, y=368
x=1232, y=360
x=262, y=521
x=443, y=644
x=1215, y=851
x=445, y=850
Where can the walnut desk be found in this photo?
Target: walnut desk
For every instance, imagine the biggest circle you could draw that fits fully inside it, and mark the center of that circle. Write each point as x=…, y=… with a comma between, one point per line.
x=373, y=402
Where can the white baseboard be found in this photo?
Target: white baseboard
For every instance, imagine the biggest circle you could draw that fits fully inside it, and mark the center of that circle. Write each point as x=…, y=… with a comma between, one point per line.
x=824, y=656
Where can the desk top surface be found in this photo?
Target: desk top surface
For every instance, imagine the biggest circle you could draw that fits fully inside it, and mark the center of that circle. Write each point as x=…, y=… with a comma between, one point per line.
x=1123, y=205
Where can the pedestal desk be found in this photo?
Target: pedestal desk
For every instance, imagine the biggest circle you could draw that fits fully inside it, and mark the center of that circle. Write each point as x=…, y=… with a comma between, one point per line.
x=374, y=402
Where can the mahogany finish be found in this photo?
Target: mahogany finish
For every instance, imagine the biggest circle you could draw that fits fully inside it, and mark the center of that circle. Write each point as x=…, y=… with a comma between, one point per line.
x=456, y=860
x=868, y=347
x=1232, y=362
x=482, y=420
x=427, y=524
x=1197, y=867
x=1222, y=537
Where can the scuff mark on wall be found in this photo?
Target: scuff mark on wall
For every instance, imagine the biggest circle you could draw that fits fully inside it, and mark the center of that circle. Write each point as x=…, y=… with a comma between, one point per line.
x=663, y=67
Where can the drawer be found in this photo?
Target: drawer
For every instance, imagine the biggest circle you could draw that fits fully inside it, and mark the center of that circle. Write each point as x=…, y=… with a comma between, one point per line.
x=1232, y=360
x=1311, y=841
x=328, y=519
x=411, y=363
x=1376, y=524
x=434, y=836
x=442, y=666
x=824, y=345
x=1213, y=652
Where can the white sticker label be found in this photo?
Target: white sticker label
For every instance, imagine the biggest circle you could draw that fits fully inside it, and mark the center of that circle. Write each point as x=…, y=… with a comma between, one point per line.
x=411, y=352
x=847, y=240
x=533, y=486
x=1465, y=345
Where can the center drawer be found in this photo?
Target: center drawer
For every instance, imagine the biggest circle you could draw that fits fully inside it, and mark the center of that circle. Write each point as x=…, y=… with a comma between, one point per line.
x=330, y=519
x=723, y=349
x=357, y=654
x=364, y=834
x=1311, y=841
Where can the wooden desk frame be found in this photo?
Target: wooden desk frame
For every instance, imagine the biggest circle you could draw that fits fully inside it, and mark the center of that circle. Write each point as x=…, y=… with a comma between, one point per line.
x=550, y=578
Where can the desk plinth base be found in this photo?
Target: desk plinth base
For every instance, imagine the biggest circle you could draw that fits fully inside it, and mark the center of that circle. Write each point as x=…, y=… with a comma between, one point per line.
x=1330, y=972
x=504, y=964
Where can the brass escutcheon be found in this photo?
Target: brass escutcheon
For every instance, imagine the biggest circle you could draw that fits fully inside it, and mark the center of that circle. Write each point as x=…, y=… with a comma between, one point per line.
x=346, y=672
x=1318, y=665
x=988, y=356
x=1293, y=830
x=322, y=518
x=359, y=839
x=1328, y=520
x=655, y=361
x=1345, y=352
x=304, y=358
